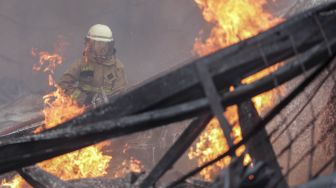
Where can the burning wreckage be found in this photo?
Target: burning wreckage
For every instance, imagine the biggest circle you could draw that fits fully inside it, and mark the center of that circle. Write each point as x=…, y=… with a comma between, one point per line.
x=299, y=51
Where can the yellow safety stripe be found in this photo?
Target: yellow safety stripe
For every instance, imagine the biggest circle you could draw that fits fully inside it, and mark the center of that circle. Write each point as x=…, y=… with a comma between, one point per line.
x=89, y=88
x=76, y=94
x=87, y=67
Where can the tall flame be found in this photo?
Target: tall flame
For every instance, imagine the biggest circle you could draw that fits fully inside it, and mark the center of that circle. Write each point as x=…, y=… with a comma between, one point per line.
x=16, y=182
x=85, y=163
x=58, y=106
x=233, y=21
x=88, y=162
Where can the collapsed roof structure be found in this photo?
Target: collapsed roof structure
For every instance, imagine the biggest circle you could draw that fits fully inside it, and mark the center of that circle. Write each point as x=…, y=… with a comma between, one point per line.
x=200, y=90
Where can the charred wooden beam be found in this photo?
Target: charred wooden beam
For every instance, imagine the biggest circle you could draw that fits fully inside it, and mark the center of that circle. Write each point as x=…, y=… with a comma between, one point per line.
x=21, y=126
x=238, y=176
x=39, y=178
x=259, y=147
x=225, y=66
x=28, y=150
x=230, y=177
x=214, y=100
x=327, y=181
x=122, y=182
x=261, y=125
x=177, y=150
x=31, y=149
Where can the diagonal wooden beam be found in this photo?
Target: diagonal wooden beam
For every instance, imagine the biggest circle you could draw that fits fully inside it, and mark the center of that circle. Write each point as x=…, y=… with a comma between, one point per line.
x=39, y=178
x=176, y=150
x=225, y=66
x=259, y=147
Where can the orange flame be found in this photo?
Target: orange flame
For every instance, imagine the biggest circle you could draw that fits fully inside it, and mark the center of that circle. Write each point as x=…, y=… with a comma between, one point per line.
x=58, y=108
x=88, y=162
x=16, y=182
x=44, y=58
x=85, y=163
x=127, y=166
x=233, y=21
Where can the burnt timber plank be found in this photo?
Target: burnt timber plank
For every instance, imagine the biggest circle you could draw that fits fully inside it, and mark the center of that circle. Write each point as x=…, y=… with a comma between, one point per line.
x=176, y=150
x=225, y=66
x=259, y=147
x=27, y=150
x=15, y=153
x=39, y=178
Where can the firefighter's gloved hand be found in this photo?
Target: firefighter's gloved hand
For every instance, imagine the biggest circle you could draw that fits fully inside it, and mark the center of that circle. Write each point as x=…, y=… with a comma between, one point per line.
x=98, y=99
x=82, y=98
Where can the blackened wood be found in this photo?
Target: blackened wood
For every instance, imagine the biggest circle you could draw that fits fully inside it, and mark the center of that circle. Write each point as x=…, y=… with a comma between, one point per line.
x=259, y=147
x=23, y=125
x=39, y=178
x=123, y=182
x=261, y=125
x=177, y=150
x=327, y=181
x=214, y=100
x=28, y=150
x=226, y=66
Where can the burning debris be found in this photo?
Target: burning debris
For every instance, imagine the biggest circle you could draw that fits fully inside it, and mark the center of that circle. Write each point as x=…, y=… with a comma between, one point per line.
x=233, y=85
x=85, y=163
x=89, y=162
x=233, y=21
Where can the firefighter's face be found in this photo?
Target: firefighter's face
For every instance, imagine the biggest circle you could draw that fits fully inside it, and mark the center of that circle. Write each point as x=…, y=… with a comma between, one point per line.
x=100, y=48
x=99, y=51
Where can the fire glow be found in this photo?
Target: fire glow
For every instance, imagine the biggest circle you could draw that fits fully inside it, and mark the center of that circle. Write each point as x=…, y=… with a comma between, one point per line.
x=88, y=162
x=232, y=22
x=85, y=163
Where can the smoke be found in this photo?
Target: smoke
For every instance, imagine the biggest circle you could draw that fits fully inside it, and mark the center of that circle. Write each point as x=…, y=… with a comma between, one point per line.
x=151, y=36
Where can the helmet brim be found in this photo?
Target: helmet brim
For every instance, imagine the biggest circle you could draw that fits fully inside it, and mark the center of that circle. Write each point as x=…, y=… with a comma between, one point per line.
x=99, y=39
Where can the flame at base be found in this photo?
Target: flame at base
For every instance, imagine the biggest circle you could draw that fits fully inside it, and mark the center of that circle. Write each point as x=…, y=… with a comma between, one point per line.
x=88, y=162
x=58, y=108
x=16, y=182
x=212, y=143
x=127, y=166
x=233, y=21
x=85, y=163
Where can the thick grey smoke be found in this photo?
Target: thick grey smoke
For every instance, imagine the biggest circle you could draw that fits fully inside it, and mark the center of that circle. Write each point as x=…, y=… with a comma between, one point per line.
x=151, y=36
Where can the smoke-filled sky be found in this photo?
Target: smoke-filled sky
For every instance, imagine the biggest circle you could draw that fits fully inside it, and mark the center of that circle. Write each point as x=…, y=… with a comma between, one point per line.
x=151, y=36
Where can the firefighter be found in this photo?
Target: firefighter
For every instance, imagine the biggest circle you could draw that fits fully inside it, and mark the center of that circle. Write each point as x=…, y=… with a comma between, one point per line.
x=98, y=74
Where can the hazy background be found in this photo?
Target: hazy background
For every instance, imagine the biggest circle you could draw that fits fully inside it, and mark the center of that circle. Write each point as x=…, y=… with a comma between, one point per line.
x=150, y=35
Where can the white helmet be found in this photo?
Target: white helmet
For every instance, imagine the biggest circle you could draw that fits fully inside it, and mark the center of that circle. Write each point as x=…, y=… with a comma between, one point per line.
x=100, y=32
x=97, y=34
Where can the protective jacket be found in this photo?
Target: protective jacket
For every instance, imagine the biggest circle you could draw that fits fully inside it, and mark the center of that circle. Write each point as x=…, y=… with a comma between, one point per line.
x=85, y=78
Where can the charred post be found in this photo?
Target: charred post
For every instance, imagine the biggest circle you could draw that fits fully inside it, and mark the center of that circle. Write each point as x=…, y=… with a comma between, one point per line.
x=259, y=147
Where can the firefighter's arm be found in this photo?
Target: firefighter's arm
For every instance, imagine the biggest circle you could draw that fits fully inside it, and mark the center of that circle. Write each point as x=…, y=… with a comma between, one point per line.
x=122, y=75
x=69, y=83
